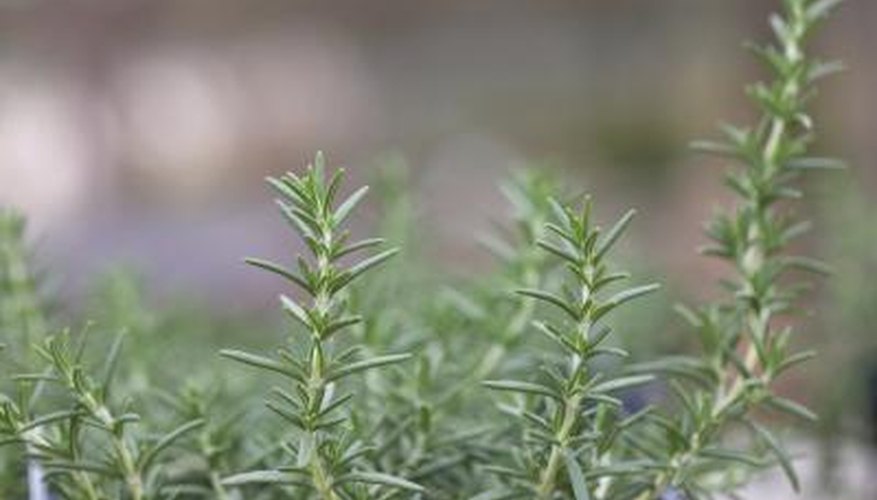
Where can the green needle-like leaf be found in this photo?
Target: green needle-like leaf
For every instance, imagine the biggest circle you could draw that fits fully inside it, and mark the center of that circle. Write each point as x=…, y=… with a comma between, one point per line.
x=367, y=364
x=576, y=477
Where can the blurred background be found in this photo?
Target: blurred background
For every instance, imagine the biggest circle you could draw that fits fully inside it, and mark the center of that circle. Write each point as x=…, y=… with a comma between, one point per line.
x=139, y=131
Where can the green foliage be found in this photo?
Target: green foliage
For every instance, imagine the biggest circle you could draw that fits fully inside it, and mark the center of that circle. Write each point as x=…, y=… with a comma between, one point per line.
x=325, y=453
x=746, y=345
x=397, y=381
x=575, y=420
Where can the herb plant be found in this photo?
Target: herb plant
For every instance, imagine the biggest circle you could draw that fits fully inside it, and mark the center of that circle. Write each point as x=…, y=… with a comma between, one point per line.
x=746, y=347
x=574, y=423
x=399, y=382
x=325, y=452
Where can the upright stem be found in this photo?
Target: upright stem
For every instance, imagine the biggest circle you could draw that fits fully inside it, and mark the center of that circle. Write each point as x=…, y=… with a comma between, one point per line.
x=322, y=303
x=754, y=257
x=130, y=472
x=85, y=483
x=129, y=469
x=322, y=480
x=548, y=480
x=727, y=393
x=216, y=484
x=571, y=405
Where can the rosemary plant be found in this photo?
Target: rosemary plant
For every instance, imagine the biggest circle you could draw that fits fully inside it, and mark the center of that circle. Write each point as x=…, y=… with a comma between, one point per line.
x=432, y=430
x=572, y=426
x=61, y=414
x=81, y=420
x=128, y=462
x=326, y=455
x=746, y=346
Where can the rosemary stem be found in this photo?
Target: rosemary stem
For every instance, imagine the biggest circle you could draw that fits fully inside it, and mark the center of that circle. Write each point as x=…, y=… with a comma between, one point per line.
x=132, y=475
x=216, y=484
x=548, y=481
x=322, y=480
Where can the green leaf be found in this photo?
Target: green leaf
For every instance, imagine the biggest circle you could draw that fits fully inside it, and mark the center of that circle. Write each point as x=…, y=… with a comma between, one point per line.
x=348, y=205
x=358, y=246
x=289, y=214
x=816, y=164
x=306, y=449
x=522, y=387
x=48, y=419
x=632, y=293
x=356, y=270
x=559, y=252
x=561, y=233
x=555, y=335
x=285, y=189
x=334, y=405
x=792, y=361
x=380, y=479
x=623, y=383
x=95, y=468
x=506, y=472
x=551, y=299
x=11, y=441
x=366, y=364
x=167, y=441
x=576, y=477
x=819, y=70
x=280, y=271
x=340, y=324
x=780, y=454
x=622, y=297
x=821, y=8
x=261, y=477
x=333, y=186
x=257, y=361
x=713, y=147
x=318, y=169
x=561, y=214
x=792, y=408
x=631, y=467
x=614, y=233
x=111, y=363
x=808, y=264
x=296, y=311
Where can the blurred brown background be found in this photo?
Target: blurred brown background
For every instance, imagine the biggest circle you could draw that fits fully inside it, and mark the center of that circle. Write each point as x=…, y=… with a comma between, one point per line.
x=140, y=130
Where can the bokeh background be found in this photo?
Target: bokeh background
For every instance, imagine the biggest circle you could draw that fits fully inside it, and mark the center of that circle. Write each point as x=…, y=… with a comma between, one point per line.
x=139, y=131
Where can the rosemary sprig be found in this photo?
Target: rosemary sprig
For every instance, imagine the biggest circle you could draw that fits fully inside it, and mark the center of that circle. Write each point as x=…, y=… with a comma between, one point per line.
x=325, y=460
x=573, y=422
x=745, y=348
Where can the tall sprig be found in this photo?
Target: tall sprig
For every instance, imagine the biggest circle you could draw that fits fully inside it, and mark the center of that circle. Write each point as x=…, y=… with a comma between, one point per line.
x=746, y=347
x=573, y=423
x=326, y=458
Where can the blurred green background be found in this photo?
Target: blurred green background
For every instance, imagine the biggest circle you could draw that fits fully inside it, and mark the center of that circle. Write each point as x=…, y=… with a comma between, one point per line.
x=138, y=132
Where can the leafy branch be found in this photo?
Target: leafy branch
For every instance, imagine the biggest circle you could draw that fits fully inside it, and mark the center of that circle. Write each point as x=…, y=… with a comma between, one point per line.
x=324, y=460
x=745, y=347
x=573, y=424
